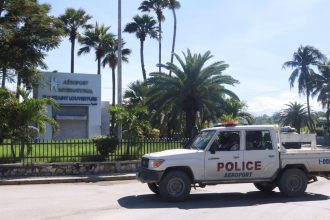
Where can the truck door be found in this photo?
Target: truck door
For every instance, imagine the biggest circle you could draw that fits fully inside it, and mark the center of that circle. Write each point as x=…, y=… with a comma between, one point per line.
x=224, y=157
x=261, y=158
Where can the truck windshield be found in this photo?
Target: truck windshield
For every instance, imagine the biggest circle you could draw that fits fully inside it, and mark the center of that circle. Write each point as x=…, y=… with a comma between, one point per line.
x=202, y=139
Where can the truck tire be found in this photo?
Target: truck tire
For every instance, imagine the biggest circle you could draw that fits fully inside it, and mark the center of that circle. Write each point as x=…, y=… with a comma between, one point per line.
x=265, y=186
x=175, y=186
x=154, y=187
x=293, y=182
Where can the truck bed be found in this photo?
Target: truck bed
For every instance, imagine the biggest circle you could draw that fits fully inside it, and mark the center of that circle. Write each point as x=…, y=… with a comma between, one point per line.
x=315, y=160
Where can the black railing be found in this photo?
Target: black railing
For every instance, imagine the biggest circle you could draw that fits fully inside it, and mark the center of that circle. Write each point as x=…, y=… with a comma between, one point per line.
x=80, y=150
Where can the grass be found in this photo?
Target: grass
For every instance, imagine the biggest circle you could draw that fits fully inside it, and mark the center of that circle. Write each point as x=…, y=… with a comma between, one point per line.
x=79, y=150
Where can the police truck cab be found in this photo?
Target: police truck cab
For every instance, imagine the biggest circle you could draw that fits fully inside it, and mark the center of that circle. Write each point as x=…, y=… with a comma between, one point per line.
x=236, y=154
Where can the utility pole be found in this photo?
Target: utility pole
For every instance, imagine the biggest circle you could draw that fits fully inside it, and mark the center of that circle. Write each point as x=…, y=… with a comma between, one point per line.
x=119, y=92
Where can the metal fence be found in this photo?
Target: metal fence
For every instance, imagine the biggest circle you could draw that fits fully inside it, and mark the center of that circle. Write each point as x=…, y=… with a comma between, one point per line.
x=84, y=150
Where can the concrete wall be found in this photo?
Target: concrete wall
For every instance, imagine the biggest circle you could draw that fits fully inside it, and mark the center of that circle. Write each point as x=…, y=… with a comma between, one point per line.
x=62, y=169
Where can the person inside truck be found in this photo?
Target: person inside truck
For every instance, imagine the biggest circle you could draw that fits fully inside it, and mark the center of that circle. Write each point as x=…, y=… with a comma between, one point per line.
x=228, y=141
x=258, y=140
x=234, y=142
x=253, y=140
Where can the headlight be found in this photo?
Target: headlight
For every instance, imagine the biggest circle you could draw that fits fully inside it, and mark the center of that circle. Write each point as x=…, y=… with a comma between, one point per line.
x=155, y=163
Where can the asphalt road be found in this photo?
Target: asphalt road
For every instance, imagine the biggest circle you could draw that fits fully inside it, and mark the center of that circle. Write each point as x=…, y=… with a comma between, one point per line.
x=133, y=200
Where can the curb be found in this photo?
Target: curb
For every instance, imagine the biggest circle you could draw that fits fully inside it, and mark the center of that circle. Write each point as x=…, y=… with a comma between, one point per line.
x=65, y=179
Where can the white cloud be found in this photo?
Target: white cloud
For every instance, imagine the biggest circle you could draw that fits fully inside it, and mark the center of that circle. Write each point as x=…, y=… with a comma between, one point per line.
x=270, y=104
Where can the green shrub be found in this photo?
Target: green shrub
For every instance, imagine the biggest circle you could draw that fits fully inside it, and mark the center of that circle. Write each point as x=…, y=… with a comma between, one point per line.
x=105, y=145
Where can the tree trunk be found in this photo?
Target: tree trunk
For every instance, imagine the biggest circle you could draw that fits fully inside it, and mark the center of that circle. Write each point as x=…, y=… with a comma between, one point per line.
x=21, y=155
x=190, y=122
x=311, y=123
x=160, y=44
x=113, y=99
x=18, y=85
x=13, y=154
x=4, y=75
x=174, y=37
x=113, y=86
x=142, y=61
x=99, y=65
x=72, y=55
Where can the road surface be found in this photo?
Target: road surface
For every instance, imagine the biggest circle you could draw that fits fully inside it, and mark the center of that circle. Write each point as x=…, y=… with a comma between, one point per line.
x=133, y=200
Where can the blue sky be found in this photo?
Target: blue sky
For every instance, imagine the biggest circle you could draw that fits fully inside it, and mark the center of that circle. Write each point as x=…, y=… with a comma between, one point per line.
x=254, y=37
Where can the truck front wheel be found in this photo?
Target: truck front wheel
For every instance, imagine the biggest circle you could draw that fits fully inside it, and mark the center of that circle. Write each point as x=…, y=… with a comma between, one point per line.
x=293, y=182
x=154, y=187
x=265, y=186
x=175, y=186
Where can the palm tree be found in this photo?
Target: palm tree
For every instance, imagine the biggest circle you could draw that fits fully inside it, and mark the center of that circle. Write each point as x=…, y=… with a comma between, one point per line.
x=142, y=27
x=173, y=4
x=111, y=58
x=296, y=115
x=136, y=93
x=193, y=87
x=74, y=20
x=322, y=89
x=157, y=6
x=98, y=39
x=303, y=59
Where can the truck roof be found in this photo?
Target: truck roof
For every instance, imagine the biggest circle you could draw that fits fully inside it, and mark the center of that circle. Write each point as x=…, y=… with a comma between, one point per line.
x=242, y=127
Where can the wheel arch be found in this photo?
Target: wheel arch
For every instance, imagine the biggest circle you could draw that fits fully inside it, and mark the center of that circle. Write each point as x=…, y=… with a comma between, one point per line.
x=184, y=169
x=302, y=167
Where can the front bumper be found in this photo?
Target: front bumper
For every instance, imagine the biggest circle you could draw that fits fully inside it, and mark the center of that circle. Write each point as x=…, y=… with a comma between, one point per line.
x=148, y=176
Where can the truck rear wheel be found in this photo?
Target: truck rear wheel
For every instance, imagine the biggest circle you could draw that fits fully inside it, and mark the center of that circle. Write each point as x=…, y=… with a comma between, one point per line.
x=154, y=187
x=175, y=186
x=265, y=186
x=293, y=182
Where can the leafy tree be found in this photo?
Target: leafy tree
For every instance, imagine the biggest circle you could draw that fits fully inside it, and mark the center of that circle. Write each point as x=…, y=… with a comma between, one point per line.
x=238, y=109
x=97, y=39
x=73, y=21
x=295, y=115
x=132, y=119
x=27, y=32
x=194, y=87
x=111, y=58
x=134, y=122
x=157, y=6
x=173, y=5
x=142, y=27
x=16, y=118
x=303, y=60
x=322, y=89
x=266, y=119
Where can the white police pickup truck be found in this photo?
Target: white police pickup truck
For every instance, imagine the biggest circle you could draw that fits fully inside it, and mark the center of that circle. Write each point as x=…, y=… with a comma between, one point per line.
x=236, y=154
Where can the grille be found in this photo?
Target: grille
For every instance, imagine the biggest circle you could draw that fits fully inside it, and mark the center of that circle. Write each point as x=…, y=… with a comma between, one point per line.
x=144, y=162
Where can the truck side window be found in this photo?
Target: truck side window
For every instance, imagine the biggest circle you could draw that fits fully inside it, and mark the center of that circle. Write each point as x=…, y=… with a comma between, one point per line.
x=228, y=141
x=258, y=140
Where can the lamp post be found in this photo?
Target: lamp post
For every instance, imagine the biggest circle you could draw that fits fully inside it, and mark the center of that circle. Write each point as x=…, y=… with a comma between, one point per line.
x=119, y=92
